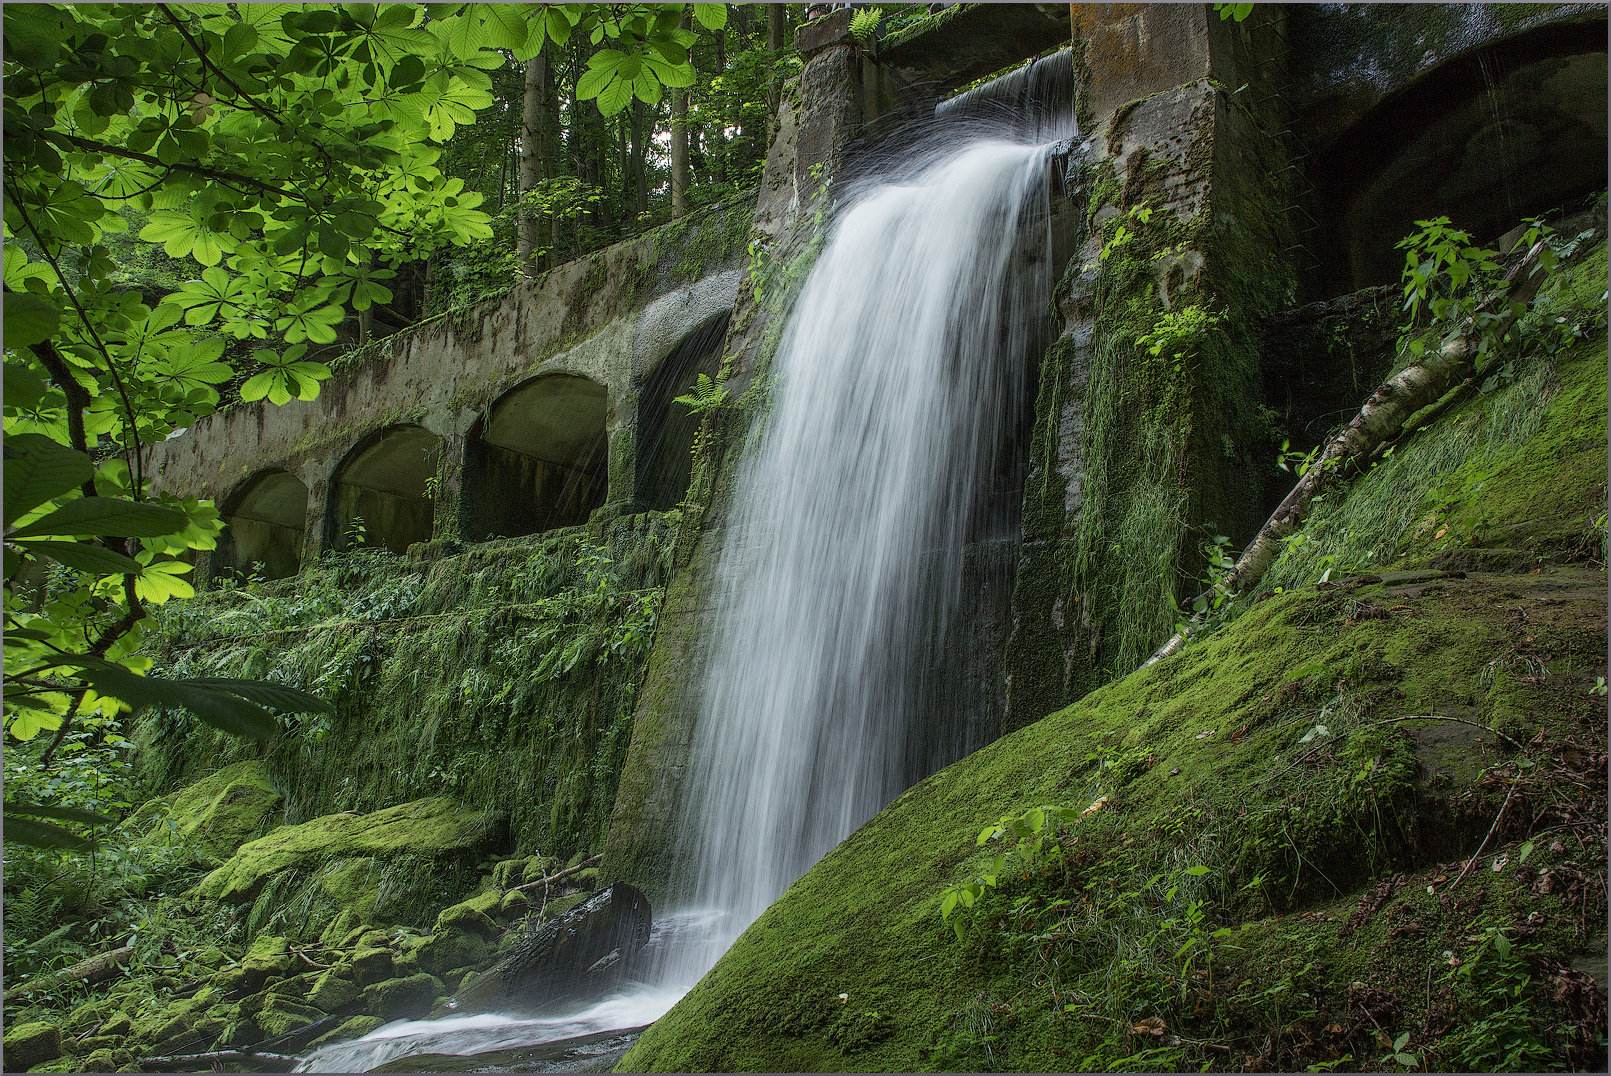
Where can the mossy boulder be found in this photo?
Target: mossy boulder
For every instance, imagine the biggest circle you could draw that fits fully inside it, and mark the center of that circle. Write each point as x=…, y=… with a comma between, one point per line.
x=409, y=998
x=356, y=1027
x=215, y=815
x=413, y=857
x=268, y=958
x=32, y=1044
x=466, y=918
x=371, y=964
x=280, y=1015
x=446, y=949
x=333, y=989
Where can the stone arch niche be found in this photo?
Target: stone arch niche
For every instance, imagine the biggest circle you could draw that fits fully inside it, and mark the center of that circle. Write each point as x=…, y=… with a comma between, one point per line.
x=666, y=429
x=264, y=520
x=540, y=459
x=1499, y=134
x=386, y=482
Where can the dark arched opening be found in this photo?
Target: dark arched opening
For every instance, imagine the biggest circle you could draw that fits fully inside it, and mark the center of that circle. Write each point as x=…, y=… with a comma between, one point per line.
x=666, y=429
x=383, y=492
x=1503, y=133
x=264, y=520
x=540, y=461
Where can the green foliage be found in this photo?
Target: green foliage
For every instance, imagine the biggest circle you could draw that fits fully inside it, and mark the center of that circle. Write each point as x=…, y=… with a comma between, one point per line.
x=1505, y=1021
x=1239, y=12
x=706, y=397
x=289, y=152
x=864, y=23
x=1448, y=280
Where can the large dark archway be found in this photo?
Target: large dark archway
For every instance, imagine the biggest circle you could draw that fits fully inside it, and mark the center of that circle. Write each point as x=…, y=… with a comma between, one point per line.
x=383, y=492
x=264, y=519
x=540, y=460
x=1503, y=133
x=666, y=429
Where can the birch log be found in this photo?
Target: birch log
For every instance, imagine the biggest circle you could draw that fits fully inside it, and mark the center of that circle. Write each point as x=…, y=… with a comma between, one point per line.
x=1380, y=419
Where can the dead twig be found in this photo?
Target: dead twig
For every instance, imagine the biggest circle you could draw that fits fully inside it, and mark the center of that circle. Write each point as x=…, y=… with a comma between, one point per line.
x=1497, y=818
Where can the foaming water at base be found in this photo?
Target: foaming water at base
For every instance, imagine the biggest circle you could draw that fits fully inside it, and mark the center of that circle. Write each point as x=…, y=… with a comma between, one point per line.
x=634, y=1006
x=482, y=1033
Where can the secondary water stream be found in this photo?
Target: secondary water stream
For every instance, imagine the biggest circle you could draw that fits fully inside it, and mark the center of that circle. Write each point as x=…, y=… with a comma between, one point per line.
x=891, y=444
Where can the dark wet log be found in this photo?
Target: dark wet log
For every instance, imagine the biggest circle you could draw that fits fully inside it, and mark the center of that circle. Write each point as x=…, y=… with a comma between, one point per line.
x=205, y=1062
x=574, y=956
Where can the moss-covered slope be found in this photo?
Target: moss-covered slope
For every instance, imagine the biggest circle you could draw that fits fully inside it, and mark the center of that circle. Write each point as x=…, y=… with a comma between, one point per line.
x=1274, y=868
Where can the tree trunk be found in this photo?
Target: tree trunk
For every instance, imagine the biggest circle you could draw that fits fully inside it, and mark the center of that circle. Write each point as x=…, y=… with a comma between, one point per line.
x=718, y=145
x=640, y=155
x=532, y=137
x=774, y=92
x=679, y=145
x=1381, y=419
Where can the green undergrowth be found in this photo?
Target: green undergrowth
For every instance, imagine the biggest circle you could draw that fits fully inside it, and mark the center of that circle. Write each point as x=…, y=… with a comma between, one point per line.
x=504, y=677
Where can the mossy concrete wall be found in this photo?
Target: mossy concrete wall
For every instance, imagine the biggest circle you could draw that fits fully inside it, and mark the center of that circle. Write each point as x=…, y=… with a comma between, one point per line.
x=611, y=317
x=505, y=677
x=1148, y=432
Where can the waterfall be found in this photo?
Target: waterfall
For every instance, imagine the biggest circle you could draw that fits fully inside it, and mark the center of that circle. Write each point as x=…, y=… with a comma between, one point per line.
x=897, y=393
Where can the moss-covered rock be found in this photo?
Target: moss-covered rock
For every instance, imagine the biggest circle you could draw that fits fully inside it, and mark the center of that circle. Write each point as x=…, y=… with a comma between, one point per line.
x=215, y=815
x=447, y=949
x=395, y=865
x=356, y=1027
x=466, y=918
x=371, y=964
x=331, y=990
x=434, y=826
x=32, y=1044
x=409, y=998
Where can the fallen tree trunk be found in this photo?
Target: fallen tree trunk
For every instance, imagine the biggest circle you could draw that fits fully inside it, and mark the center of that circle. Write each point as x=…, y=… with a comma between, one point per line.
x=1381, y=419
x=204, y=1062
x=93, y=970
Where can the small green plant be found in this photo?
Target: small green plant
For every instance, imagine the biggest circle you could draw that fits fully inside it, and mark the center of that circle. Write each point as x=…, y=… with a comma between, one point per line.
x=1447, y=278
x=707, y=395
x=356, y=534
x=1178, y=334
x=1124, y=234
x=1503, y=1030
x=1033, y=845
x=432, y=484
x=1238, y=12
x=864, y=23
x=1396, y=1054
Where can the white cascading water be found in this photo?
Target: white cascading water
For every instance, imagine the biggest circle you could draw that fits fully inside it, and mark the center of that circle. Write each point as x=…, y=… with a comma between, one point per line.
x=898, y=388
x=897, y=382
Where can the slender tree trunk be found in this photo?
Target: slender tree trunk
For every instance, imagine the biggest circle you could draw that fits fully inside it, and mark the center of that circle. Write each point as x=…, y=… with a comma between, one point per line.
x=679, y=146
x=640, y=155
x=718, y=145
x=532, y=137
x=774, y=92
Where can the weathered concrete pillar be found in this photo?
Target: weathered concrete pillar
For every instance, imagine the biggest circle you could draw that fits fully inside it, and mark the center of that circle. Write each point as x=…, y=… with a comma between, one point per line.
x=1148, y=436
